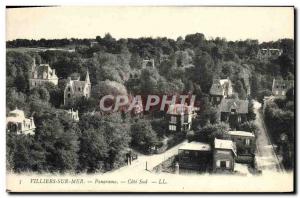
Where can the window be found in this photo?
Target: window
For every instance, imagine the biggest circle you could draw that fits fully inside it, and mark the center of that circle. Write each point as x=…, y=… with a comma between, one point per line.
x=247, y=141
x=69, y=89
x=276, y=92
x=173, y=119
x=69, y=95
x=227, y=164
x=78, y=88
x=172, y=127
x=283, y=93
x=223, y=164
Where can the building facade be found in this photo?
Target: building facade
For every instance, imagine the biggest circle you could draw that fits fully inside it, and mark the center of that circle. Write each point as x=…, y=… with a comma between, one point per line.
x=16, y=122
x=269, y=53
x=245, y=142
x=73, y=114
x=77, y=89
x=195, y=156
x=224, y=155
x=180, y=117
x=221, y=88
x=148, y=63
x=280, y=87
x=41, y=74
x=233, y=111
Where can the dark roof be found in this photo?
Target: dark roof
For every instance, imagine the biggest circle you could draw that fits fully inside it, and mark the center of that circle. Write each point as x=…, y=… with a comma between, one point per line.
x=241, y=106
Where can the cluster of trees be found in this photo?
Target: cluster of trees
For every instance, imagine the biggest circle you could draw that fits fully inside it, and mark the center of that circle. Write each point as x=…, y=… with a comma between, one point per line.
x=97, y=142
x=280, y=121
x=49, y=43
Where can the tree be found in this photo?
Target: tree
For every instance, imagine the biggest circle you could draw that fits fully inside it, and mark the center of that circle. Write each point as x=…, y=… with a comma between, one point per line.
x=262, y=94
x=195, y=40
x=60, y=143
x=93, y=151
x=20, y=153
x=255, y=86
x=116, y=136
x=203, y=70
x=249, y=126
x=251, y=115
x=211, y=131
x=143, y=136
x=240, y=90
x=290, y=94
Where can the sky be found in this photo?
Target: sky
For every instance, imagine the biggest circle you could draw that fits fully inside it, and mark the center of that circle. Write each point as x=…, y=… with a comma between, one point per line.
x=232, y=23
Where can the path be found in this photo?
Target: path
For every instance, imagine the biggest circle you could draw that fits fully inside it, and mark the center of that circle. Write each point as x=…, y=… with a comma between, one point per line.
x=139, y=165
x=266, y=157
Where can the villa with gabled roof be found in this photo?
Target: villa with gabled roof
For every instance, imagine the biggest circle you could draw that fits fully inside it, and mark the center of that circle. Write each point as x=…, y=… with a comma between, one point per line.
x=221, y=88
x=76, y=89
x=41, y=74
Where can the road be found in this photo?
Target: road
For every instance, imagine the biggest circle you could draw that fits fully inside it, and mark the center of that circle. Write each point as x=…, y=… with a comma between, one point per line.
x=266, y=157
x=139, y=166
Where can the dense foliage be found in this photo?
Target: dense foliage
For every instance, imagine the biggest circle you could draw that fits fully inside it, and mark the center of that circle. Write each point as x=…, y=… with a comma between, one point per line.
x=279, y=117
x=99, y=142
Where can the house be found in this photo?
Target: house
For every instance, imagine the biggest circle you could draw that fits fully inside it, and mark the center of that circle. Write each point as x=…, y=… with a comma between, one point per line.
x=233, y=111
x=180, y=117
x=77, y=89
x=42, y=74
x=224, y=155
x=269, y=53
x=134, y=78
x=93, y=43
x=16, y=122
x=280, y=87
x=245, y=142
x=163, y=57
x=73, y=114
x=195, y=156
x=148, y=63
x=221, y=88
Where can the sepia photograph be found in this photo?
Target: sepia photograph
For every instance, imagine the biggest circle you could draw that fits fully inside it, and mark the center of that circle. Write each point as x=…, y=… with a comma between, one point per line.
x=174, y=99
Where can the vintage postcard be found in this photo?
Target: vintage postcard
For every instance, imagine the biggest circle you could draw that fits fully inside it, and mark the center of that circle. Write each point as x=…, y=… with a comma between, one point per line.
x=150, y=99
